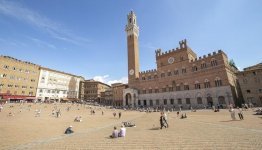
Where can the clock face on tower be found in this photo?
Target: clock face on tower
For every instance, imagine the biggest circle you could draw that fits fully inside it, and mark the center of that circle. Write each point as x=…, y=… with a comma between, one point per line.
x=171, y=60
x=131, y=71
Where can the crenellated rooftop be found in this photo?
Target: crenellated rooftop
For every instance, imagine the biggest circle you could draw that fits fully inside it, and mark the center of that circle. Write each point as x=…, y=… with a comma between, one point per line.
x=148, y=71
x=182, y=45
x=208, y=55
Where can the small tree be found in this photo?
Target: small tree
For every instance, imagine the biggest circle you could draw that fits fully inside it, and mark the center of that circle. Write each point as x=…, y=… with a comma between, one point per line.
x=232, y=64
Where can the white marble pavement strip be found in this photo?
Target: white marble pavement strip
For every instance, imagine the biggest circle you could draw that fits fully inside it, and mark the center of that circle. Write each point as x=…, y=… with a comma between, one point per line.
x=227, y=126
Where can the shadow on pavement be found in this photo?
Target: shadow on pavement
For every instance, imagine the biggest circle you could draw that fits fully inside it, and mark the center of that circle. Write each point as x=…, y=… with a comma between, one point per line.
x=155, y=128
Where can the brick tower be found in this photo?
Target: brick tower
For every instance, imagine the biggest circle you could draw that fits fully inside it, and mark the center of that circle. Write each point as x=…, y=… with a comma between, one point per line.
x=132, y=31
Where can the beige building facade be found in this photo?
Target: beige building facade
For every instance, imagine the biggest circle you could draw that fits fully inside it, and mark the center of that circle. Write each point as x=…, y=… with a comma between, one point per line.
x=180, y=78
x=118, y=89
x=93, y=89
x=18, y=79
x=107, y=97
x=114, y=95
x=250, y=80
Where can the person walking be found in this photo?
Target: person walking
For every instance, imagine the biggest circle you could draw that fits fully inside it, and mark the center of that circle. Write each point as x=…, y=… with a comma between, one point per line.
x=162, y=122
x=232, y=113
x=119, y=115
x=240, y=113
x=165, y=119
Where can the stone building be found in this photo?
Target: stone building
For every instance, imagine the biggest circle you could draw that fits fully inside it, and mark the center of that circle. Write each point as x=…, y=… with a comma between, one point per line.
x=114, y=95
x=107, y=97
x=118, y=89
x=180, y=78
x=58, y=86
x=93, y=89
x=250, y=81
x=18, y=79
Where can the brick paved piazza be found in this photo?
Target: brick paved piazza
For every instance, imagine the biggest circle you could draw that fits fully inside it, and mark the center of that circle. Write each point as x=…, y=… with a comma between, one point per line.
x=203, y=129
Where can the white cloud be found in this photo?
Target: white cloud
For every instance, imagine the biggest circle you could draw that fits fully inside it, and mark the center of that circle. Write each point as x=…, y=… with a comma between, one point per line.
x=122, y=80
x=33, y=18
x=40, y=42
x=101, y=78
x=109, y=81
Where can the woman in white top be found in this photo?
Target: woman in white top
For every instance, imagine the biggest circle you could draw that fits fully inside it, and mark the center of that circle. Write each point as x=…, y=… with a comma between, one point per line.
x=122, y=132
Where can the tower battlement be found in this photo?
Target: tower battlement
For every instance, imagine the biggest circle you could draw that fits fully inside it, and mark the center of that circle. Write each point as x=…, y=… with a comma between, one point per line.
x=148, y=71
x=182, y=45
x=209, y=55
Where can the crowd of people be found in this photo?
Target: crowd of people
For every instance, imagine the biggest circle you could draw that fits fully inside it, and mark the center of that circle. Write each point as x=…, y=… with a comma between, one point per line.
x=57, y=111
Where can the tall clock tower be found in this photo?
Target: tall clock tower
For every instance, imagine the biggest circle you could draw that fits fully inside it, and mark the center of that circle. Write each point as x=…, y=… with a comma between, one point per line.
x=132, y=31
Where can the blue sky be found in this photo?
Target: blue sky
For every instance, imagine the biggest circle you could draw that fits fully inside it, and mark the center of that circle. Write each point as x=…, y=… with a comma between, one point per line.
x=87, y=38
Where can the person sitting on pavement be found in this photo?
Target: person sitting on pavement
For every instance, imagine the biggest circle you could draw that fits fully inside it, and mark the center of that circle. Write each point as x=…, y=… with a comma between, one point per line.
x=114, y=133
x=183, y=116
x=11, y=114
x=129, y=124
x=78, y=119
x=69, y=130
x=122, y=132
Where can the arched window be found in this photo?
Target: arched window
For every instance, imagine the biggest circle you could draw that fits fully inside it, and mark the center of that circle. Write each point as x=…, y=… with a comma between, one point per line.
x=221, y=100
x=165, y=101
x=164, y=89
x=186, y=86
x=213, y=62
x=157, y=102
x=149, y=77
x=170, y=88
x=197, y=85
x=188, y=101
x=162, y=75
x=176, y=72
x=203, y=65
x=183, y=70
x=151, y=102
x=207, y=83
x=218, y=82
x=199, y=100
x=179, y=101
x=172, y=101
x=194, y=68
x=139, y=102
x=144, y=91
x=178, y=87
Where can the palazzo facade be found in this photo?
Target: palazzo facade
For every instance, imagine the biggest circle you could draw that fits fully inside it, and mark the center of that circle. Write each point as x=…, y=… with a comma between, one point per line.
x=180, y=78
